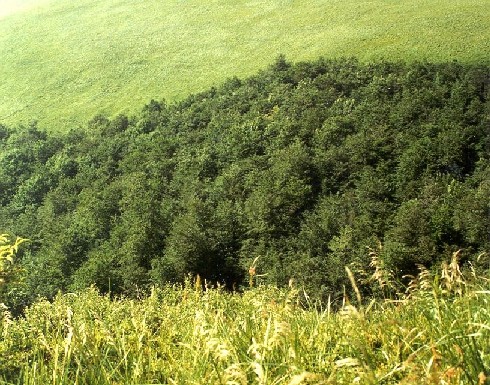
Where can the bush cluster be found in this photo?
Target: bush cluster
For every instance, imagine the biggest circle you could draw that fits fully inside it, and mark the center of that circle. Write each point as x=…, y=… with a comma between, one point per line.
x=303, y=169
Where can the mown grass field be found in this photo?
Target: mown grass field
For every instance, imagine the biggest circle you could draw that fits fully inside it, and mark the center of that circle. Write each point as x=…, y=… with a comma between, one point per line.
x=436, y=333
x=62, y=62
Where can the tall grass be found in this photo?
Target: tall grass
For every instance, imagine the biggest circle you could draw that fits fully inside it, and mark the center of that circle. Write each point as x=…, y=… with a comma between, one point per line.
x=438, y=332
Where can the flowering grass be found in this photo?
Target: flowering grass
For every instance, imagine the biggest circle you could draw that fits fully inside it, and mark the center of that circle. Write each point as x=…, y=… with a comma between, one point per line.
x=438, y=332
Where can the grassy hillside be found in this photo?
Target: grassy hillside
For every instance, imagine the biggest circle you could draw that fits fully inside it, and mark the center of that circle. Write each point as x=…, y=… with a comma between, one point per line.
x=62, y=61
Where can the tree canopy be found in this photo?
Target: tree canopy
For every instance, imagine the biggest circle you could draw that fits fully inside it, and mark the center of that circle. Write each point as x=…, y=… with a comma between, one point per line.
x=305, y=166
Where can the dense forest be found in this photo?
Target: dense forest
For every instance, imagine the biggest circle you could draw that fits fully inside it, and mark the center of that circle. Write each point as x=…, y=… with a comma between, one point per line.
x=296, y=172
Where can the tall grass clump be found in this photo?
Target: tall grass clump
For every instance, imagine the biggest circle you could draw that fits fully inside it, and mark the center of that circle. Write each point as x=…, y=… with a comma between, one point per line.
x=437, y=332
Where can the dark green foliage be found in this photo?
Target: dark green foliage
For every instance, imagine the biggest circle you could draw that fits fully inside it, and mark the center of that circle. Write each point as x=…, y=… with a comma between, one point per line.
x=303, y=166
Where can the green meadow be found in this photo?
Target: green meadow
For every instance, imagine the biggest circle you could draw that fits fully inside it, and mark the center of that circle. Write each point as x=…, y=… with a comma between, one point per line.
x=63, y=62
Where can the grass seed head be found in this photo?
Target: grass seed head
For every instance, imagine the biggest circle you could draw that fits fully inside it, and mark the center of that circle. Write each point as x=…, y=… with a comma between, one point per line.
x=234, y=375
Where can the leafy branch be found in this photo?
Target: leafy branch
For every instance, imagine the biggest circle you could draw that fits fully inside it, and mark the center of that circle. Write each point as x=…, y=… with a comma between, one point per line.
x=7, y=252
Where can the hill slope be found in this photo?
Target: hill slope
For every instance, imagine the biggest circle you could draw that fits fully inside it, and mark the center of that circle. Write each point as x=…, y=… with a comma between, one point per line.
x=63, y=62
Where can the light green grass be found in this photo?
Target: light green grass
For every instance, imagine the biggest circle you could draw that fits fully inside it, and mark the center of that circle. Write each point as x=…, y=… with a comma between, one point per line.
x=63, y=61
x=436, y=334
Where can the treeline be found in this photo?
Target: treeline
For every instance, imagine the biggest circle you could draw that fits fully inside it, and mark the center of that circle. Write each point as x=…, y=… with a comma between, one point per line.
x=308, y=167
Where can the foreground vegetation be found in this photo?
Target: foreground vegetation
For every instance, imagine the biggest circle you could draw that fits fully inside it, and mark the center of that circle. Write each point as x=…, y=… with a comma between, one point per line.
x=63, y=62
x=437, y=332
